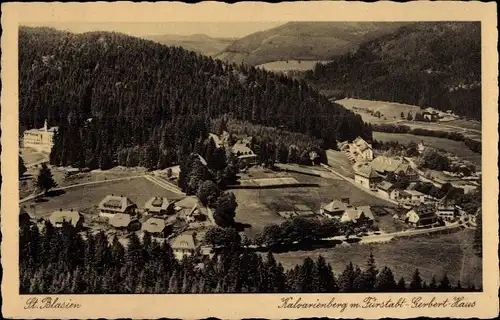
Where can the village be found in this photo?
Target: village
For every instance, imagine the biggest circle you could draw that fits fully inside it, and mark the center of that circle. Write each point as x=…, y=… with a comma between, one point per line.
x=170, y=215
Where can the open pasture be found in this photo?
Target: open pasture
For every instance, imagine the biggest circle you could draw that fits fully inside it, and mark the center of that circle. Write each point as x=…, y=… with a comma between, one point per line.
x=390, y=111
x=455, y=147
x=295, y=65
x=431, y=254
x=139, y=190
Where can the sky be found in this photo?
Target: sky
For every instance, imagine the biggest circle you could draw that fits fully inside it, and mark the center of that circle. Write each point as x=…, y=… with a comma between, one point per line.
x=213, y=29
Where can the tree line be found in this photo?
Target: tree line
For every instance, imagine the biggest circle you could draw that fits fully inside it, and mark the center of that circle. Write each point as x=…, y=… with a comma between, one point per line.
x=61, y=261
x=439, y=67
x=123, y=100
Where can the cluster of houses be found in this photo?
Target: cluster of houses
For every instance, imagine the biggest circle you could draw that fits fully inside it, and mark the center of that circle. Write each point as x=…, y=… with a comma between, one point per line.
x=343, y=211
x=123, y=214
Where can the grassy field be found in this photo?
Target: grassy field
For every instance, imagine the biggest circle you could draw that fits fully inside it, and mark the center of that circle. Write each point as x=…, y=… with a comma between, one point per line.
x=445, y=126
x=339, y=161
x=432, y=255
x=32, y=156
x=139, y=190
x=456, y=147
x=260, y=208
x=391, y=111
x=297, y=65
x=464, y=124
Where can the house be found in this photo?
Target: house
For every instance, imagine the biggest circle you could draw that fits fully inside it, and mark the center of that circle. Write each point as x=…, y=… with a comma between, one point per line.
x=366, y=176
x=122, y=221
x=40, y=139
x=447, y=212
x=399, y=166
x=303, y=210
x=58, y=218
x=387, y=190
x=411, y=197
x=335, y=209
x=358, y=215
x=244, y=154
x=159, y=206
x=359, y=150
x=157, y=227
x=183, y=246
x=423, y=215
x=430, y=116
x=112, y=205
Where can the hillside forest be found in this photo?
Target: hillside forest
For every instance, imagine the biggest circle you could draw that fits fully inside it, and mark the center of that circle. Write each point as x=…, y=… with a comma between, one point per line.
x=116, y=98
x=434, y=65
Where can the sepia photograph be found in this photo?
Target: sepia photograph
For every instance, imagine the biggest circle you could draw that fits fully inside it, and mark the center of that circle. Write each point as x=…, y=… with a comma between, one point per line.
x=250, y=157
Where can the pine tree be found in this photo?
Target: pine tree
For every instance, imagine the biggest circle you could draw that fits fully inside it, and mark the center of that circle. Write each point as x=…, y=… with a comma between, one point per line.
x=401, y=284
x=326, y=278
x=444, y=284
x=385, y=281
x=416, y=281
x=433, y=284
x=45, y=181
x=370, y=274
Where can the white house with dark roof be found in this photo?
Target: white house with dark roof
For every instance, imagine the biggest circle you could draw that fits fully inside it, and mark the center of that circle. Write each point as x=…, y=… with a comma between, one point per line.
x=159, y=206
x=112, y=205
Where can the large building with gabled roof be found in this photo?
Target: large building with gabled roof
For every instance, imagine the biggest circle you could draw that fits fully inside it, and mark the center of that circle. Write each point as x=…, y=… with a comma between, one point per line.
x=159, y=206
x=112, y=205
x=366, y=176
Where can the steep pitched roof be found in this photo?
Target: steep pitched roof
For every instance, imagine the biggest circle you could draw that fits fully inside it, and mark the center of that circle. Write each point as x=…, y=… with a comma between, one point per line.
x=385, y=164
x=351, y=215
x=154, y=225
x=361, y=144
x=367, y=212
x=62, y=216
x=424, y=211
x=184, y=241
x=120, y=220
x=115, y=203
x=386, y=186
x=366, y=171
x=335, y=206
x=156, y=204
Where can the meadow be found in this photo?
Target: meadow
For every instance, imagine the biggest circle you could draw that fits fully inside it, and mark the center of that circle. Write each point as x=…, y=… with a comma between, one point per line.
x=431, y=254
x=390, y=111
x=295, y=65
x=260, y=208
x=139, y=190
x=455, y=147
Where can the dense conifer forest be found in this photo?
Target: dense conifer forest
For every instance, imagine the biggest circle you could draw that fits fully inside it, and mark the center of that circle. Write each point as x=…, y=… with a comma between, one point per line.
x=426, y=64
x=62, y=261
x=128, y=101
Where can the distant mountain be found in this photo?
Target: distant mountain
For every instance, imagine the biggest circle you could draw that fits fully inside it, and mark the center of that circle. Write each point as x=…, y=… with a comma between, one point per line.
x=303, y=41
x=152, y=102
x=200, y=43
x=434, y=64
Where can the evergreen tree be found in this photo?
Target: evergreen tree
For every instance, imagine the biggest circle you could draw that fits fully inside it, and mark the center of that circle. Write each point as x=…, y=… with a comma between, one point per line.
x=385, y=281
x=45, y=181
x=326, y=278
x=370, y=274
x=444, y=284
x=416, y=281
x=401, y=284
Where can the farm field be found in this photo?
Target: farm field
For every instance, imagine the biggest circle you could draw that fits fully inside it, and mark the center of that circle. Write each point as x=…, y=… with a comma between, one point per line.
x=139, y=190
x=295, y=65
x=456, y=147
x=30, y=156
x=432, y=255
x=447, y=127
x=260, y=208
x=474, y=125
x=391, y=111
